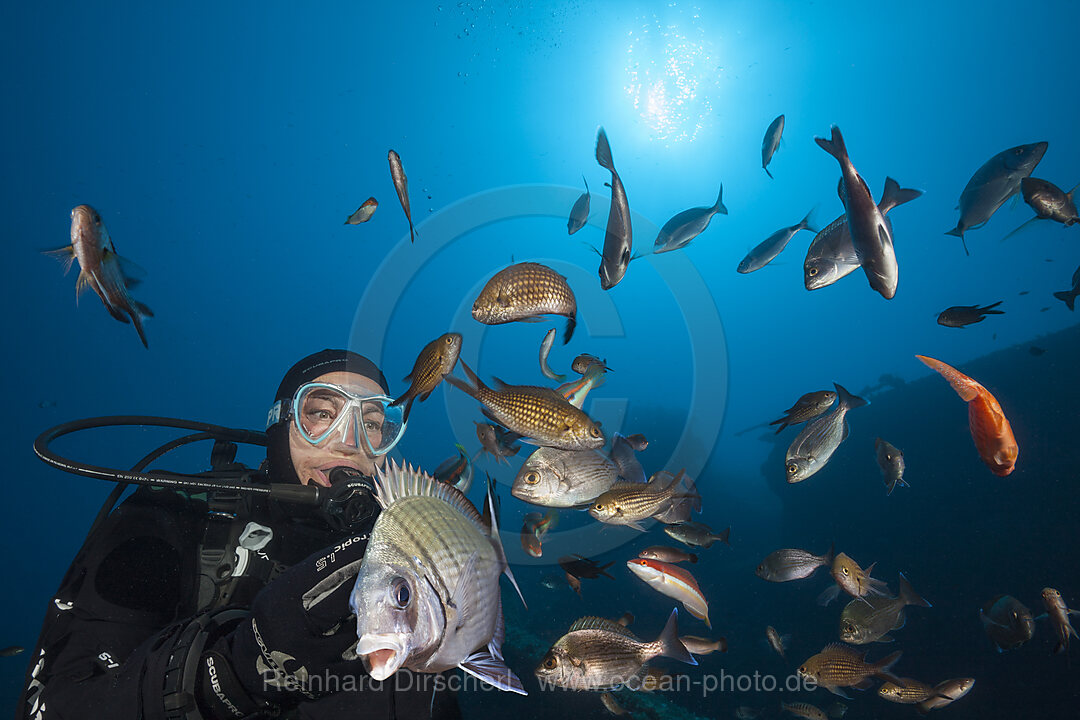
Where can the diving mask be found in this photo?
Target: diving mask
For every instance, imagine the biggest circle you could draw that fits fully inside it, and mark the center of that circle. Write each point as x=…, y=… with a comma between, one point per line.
x=323, y=412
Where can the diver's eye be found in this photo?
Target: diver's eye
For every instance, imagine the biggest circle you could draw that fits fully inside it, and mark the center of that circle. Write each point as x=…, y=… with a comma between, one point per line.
x=532, y=478
x=792, y=469
x=813, y=272
x=399, y=593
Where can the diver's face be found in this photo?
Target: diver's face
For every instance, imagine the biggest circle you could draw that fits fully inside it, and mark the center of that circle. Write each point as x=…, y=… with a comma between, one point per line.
x=311, y=462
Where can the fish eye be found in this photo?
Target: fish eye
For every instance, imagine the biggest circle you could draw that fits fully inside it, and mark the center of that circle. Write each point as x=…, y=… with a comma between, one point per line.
x=598, y=506
x=399, y=593
x=845, y=571
x=594, y=431
x=549, y=663
x=812, y=272
x=792, y=469
x=803, y=670
x=532, y=477
x=449, y=340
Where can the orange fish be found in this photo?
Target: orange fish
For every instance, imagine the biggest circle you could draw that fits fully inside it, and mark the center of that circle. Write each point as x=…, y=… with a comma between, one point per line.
x=675, y=582
x=990, y=429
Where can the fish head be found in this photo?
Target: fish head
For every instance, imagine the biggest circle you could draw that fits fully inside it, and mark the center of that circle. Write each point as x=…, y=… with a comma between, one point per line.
x=449, y=347
x=557, y=667
x=1051, y=596
x=889, y=691
x=88, y=235
x=810, y=670
x=763, y=571
x=583, y=433
x=537, y=480
x=851, y=632
x=799, y=468
x=399, y=615
x=605, y=508
x=613, y=268
x=1024, y=158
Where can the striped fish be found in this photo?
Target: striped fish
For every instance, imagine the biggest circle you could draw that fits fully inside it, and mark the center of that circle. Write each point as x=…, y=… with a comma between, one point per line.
x=946, y=693
x=906, y=691
x=435, y=361
x=674, y=581
x=600, y=654
x=427, y=594
x=533, y=412
x=804, y=710
x=839, y=666
x=792, y=564
x=629, y=503
x=563, y=478
x=524, y=292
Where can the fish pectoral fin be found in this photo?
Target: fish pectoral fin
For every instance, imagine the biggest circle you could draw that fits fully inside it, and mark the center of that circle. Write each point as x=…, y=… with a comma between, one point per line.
x=837, y=691
x=863, y=684
x=482, y=665
x=886, y=639
x=636, y=526
x=461, y=599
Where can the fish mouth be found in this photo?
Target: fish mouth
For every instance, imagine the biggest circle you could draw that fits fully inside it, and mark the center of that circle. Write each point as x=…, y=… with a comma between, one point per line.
x=383, y=655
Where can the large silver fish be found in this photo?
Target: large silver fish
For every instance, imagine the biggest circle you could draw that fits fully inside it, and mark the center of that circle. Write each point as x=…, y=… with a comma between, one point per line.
x=813, y=447
x=579, y=214
x=427, y=596
x=772, y=246
x=994, y=183
x=618, y=235
x=770, y=142
x=401, y=185
x=831, y=255
x=870, y=235
x=946, y=693
x=564, y=478
x=687, y=225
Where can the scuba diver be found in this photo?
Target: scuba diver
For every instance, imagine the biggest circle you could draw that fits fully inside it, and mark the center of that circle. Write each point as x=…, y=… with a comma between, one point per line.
x=199, y=598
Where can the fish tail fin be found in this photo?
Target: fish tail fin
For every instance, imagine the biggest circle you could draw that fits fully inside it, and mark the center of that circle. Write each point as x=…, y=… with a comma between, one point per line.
x=883, y=668
x=408, y=409
x=846, y=398
x=804, y=224
x=894, y=195
x=719, y=207
x=586, y=183
x=669, y=643
x=964, y=386
x=571, y=323
x=65, y=255
x=909, y=596
x=767, y=172
x=989, y=309
x=603, y=150
x=467, y=388
x=831, y=555
x=835, y=145
x=1067, y=296
x=724, y=536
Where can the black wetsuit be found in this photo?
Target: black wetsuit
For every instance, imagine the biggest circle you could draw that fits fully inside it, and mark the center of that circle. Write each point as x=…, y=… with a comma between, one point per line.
x=152, y=566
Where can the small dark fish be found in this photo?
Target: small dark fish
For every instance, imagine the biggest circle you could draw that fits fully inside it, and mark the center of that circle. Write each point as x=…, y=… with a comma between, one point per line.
x=579, y=214
x=497, y=441
x=772, y=246
x=946, y=693
x=456, y=470
x=584, y=361
x=1069, y=296
x=770, y=142
x=612, y=705
x=792, y=564
x=870, y=235
x=808, y=407
x=401, y=185
x=891, y=461
x=1049, y=201
x=435, y=361
x=803, y=710
x=12, y=650
x=1059, y=613
x=1007, y=622
x=811, y=450
x=1036, y=350
x=667, y=554
x=687, y=225
x=574, y=583
x=992, y=184
x=363, y=213
x=831, y=255
x=696, y=534
x=524, y=292
x=960, y=315
x=583, y=568
x=618, y=235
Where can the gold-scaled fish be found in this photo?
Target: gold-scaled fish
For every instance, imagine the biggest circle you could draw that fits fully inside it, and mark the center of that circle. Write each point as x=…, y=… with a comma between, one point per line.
x=1059, y=613
x=600, y=654
x=905, y=691
x=630, y=503
x=524, y=292
x=363, y=213
x=869, y=619
x=674, y=581
x=427, y=595
x=946, y=693
x=401, y=185
x=792, y=564
x=853, y=580
x=840, y=666
x=804, y=710
x=435, y=361
x=533, y=412
x=776, y=641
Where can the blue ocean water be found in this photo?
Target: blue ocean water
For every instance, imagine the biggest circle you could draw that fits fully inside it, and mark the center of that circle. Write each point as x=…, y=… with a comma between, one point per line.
x=225, y=144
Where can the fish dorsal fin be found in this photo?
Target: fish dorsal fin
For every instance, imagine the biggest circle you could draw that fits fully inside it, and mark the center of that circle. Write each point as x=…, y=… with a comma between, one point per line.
x=401, y=481
x=590, y=622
